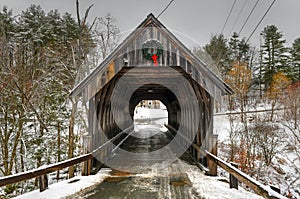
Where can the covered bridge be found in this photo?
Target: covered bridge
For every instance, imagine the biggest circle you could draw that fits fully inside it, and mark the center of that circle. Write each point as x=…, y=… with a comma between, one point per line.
x=152, y=64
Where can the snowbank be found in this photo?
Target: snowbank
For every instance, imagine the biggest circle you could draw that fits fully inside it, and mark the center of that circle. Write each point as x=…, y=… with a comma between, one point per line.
x=211, y=188
x=68, y=187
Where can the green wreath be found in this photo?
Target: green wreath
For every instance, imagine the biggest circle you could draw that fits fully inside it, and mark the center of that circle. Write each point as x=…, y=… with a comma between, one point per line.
x=152, y=44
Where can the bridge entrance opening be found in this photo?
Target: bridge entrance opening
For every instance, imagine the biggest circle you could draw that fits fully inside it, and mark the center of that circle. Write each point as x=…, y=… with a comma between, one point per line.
x=151, y=115
x=150, y=132
x=187, y=106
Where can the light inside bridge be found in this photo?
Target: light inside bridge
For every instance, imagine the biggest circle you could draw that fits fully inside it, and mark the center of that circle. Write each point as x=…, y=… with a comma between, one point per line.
x=151, y=115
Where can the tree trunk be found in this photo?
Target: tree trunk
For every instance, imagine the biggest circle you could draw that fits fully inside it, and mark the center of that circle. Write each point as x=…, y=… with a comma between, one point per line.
x=58, y=148
x=22, y=154
x=71, y=135
x=272, y=110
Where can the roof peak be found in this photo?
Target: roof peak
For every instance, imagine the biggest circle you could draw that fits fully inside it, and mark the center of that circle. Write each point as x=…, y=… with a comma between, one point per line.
x=150, y=15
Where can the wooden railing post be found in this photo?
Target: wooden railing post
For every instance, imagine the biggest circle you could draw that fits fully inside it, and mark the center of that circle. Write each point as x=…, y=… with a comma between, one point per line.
x=234, y=183
x=213, y=149
x=43, y=182
x=87, y=165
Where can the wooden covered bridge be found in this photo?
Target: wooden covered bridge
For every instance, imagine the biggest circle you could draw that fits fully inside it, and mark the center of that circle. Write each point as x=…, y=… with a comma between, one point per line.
x=152, y=64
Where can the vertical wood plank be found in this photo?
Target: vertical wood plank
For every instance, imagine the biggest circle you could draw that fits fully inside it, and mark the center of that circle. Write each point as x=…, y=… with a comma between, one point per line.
x=87, y=165
x=212, y=166
x=43, y=182
x=233, y=182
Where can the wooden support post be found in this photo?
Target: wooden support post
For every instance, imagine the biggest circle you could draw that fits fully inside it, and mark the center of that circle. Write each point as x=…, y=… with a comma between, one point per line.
x=234, y=183
x=87, y=165
x=212, y=166
x=43, y=182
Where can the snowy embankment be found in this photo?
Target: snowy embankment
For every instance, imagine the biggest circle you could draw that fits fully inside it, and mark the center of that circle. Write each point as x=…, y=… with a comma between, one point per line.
x=212, y=188
x=283, y=172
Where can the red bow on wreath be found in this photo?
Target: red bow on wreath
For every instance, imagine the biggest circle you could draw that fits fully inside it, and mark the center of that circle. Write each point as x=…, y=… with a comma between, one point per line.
x=154, y=58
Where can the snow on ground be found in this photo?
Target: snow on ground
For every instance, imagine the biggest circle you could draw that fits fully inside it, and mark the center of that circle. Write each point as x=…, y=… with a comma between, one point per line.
x=67, y=187
x=203, y=186
x=150, y=118
x=146, y=113
x=221, y=127
x=283, y=172
x=213, y=188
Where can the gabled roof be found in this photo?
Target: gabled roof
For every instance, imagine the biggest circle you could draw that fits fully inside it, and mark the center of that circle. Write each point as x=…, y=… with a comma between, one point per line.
x=208, y=78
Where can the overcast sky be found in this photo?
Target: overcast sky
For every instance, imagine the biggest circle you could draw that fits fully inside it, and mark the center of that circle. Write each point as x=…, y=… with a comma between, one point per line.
x=197, y=19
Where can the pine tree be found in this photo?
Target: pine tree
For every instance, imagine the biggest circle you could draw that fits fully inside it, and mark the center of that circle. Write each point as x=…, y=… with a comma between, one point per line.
x=10, y=111
x=295, y=60
x=274, y=54
x=37, y=72
x=218, y=49
x=239, y=49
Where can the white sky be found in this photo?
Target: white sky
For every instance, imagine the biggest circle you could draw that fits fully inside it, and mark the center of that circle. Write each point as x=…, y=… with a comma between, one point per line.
x=198, y=19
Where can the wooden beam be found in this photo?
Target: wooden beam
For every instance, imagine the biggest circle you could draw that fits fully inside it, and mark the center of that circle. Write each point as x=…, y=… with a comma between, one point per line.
x=56, y=166
x=256, y=186
x=43, y=170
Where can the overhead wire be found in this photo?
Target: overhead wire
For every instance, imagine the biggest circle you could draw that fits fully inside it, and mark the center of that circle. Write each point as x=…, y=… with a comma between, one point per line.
x=228, y=16
x=230, y=12
x=261, y=20
x=165, y=8
x=238, y=16
x=246, y=21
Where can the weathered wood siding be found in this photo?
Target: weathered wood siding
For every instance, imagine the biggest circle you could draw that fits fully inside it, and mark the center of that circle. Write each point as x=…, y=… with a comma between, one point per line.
x=173, y=55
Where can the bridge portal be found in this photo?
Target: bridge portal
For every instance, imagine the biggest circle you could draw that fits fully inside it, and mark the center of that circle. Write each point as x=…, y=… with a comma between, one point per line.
x=152, y=64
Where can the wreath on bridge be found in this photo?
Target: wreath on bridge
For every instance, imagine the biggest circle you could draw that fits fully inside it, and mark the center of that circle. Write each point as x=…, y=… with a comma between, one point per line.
x=152, y=49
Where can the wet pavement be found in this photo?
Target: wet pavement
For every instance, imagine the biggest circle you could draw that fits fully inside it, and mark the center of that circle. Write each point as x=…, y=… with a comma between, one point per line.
x=141, y=188
x=148, y=174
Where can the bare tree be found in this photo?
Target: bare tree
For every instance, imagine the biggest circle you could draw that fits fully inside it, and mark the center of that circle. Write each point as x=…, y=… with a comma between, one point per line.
x=279, y=82
x=292, y=104
x=107, y=34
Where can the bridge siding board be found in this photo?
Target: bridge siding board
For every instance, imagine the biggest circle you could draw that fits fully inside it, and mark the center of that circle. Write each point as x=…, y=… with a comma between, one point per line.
x=91, y=117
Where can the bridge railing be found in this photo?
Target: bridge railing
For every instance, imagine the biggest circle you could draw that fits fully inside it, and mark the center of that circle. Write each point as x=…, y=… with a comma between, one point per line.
x=256, y=186
x=44, y=170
